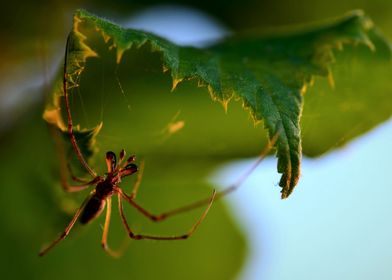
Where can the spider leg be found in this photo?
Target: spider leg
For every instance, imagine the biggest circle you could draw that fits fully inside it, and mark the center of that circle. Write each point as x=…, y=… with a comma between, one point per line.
x=65, y=233
x=77, y=188
x=74, y=177
x=153, y=237
x=165, y=215
x=72, y=137
x=104, y=241
x=65, y=168
x=199, y=203
x=136, y=185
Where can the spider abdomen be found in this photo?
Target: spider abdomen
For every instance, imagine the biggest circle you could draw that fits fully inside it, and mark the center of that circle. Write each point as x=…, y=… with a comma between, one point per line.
x=92, y=209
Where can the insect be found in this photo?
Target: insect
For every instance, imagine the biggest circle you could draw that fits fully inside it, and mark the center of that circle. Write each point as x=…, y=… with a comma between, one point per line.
x=109, y=185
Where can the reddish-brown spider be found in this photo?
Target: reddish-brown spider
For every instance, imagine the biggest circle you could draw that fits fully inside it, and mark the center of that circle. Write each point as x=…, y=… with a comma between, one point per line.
x=108, y=185
x=105, y=188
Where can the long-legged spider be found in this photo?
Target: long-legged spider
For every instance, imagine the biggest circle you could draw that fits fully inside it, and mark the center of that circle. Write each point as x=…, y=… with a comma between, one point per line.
x=108, y=185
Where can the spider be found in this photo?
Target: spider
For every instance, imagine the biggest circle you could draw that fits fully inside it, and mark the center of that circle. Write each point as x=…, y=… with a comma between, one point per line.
x=100, y=197
x=108, y=185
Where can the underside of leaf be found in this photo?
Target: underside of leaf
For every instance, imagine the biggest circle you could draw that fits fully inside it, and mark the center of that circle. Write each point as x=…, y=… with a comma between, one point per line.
x=268, y=73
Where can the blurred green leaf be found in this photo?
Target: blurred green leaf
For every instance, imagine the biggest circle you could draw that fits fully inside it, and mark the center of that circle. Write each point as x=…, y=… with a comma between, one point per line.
x=359, y=101
x=37, y=210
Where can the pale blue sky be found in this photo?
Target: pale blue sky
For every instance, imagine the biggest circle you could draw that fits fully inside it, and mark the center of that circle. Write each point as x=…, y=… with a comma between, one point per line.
x=336, y=224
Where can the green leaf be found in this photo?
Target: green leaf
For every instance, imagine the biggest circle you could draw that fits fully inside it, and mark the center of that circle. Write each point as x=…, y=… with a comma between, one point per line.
x=269, y=74
x=32, y=174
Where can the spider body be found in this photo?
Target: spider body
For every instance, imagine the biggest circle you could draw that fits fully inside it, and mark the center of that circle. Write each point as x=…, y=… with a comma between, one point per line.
x=106, y=187
x=93, y=209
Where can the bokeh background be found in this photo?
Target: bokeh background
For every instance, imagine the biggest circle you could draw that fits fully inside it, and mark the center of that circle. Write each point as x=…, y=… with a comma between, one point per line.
x=335, y=226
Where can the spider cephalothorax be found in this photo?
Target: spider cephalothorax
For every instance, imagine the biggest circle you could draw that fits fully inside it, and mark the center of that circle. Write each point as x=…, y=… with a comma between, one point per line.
x=106, y=185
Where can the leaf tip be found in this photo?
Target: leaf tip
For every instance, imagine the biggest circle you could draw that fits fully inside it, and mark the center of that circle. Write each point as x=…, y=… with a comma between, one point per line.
x=225, y=104
x=175, y=82
x=331, y=80
x=94, y=131
x=119, y=55
x=53, y=117
x=284, y=195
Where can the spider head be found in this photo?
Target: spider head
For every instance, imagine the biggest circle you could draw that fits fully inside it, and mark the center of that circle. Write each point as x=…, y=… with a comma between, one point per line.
x=114, y=168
